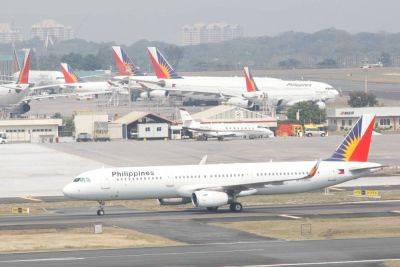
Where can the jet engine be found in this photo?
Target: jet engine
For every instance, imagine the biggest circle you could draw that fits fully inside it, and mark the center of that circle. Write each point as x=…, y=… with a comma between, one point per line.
x=240, y=102
x=174, y=201
x=21, y=108
x=255, y=95
x=158, y=94
x=204, y=199
x=321, y=104
x=144, y=95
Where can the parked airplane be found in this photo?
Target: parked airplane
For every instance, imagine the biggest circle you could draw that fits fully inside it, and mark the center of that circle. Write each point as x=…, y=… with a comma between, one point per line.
x=215, y=185
x=169, y=82
x=222, y=130
x=81, y=87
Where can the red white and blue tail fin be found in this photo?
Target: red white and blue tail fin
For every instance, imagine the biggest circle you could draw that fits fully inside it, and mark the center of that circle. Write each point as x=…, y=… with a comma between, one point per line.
x=23, y=77
x=124, y=64
x=355, y=146
x=69, y=74
x=251, y=86
x=161, y=67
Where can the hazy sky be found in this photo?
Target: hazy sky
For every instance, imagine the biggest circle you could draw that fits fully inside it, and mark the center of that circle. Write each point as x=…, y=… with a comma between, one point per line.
x=126, y=21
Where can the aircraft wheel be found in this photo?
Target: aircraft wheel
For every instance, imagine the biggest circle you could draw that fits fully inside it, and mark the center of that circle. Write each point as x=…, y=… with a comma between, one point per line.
x=236, y=207
x=100, y=212
x=220, y=138
x=212, y=208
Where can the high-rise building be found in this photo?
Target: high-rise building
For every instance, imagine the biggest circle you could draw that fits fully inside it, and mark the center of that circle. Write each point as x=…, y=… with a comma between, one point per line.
x=9, y=33
x=50, y=30
x=201, y=33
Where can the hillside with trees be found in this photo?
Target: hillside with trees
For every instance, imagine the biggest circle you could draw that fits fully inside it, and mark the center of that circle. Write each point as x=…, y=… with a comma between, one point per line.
x=330, y=48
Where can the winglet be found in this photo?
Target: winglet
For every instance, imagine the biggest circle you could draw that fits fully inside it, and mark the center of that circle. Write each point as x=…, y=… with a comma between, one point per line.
x=160, y=65
x=355, y=146
x=251, y=86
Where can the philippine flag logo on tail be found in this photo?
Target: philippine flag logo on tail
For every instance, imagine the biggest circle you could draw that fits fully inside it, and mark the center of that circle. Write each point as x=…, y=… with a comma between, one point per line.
x=69, y=75
x=355, y=146
x=160, y=65
x=24, y=73
x=124, y=64
x=250, y=84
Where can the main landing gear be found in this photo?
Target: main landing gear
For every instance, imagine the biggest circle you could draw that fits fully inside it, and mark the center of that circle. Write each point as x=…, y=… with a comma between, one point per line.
x=100, y=211
x=236, y=207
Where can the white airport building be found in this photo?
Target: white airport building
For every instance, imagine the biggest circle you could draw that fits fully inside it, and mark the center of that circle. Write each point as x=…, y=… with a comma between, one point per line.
x=341, y=119
x=31, y=130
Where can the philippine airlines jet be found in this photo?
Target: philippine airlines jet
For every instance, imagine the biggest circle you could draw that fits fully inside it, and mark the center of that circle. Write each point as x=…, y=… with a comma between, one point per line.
x=222, y=130
x=81, y=87
x=197, y=87
x=215, y=185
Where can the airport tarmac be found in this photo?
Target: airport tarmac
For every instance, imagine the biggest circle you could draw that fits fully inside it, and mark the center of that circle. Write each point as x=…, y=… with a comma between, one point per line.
x=274, y=253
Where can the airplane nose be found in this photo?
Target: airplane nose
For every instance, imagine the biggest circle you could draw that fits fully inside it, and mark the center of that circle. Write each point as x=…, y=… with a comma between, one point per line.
x=69, y=190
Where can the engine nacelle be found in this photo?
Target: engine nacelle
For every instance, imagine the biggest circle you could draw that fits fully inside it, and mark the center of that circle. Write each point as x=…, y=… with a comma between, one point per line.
x=240, y=102
x=21, y=108
x=255, y=95
x=321, y=104
x=144, y=95
x=158, y=93
x=204, y=199
x=174, y=201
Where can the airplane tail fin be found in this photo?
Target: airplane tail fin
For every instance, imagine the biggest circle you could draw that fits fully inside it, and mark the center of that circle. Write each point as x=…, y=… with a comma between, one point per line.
x=160, y=65
x=69, y=74
x=355, y=146
x=24, y=72
x=187, y=120
x=124, y=64
x=251, y=86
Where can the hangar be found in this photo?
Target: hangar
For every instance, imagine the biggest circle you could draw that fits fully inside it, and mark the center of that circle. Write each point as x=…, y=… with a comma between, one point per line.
x=144, y=125
x=31, y=130
x=234, y=114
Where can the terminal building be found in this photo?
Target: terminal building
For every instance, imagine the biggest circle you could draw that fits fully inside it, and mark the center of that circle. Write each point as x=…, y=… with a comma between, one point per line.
x=31, y=130
x=341, y=119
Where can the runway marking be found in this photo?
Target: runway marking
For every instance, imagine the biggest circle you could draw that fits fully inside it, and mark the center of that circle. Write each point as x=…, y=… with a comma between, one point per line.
x=31, y=198
x=289, y=216
x=134, y=255
x=44, y=259
x=325, y=263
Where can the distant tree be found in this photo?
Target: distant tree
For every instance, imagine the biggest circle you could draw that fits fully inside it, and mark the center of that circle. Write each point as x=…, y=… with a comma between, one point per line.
x=362, y=99
x=327, y=63
x=309, y=113
x=290, y=63
x=386, y=59
x=73, y=59
x=57, y=115
x=91, y=62
x=69, y=125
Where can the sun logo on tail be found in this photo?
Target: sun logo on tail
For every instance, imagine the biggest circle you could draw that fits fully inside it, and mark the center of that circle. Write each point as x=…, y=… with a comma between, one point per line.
x=355, y=146
x=161, y=66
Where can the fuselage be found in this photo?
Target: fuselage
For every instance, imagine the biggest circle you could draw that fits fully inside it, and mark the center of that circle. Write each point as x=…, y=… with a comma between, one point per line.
x=12, y=94
x=181, y=181
x=85, y=87
x=229, y=129
x=42, y=77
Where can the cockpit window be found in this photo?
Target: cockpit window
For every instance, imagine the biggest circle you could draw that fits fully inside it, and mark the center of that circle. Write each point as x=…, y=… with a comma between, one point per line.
x=81, y=180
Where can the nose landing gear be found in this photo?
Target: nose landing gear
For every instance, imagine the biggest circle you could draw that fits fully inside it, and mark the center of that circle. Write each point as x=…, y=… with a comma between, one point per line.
x=100, y=211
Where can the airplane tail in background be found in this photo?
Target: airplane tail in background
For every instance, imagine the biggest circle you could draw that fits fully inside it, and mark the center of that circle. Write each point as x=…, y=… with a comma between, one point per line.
x=160, y=65
x=16, y=65
x=69, y=75
x=187, y=120
x=355, y=146
x=124, y=64
x=24, y=73
x=251, y=86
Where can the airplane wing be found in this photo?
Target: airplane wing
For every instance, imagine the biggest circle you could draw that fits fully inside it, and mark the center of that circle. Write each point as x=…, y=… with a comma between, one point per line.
x=237, y=188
